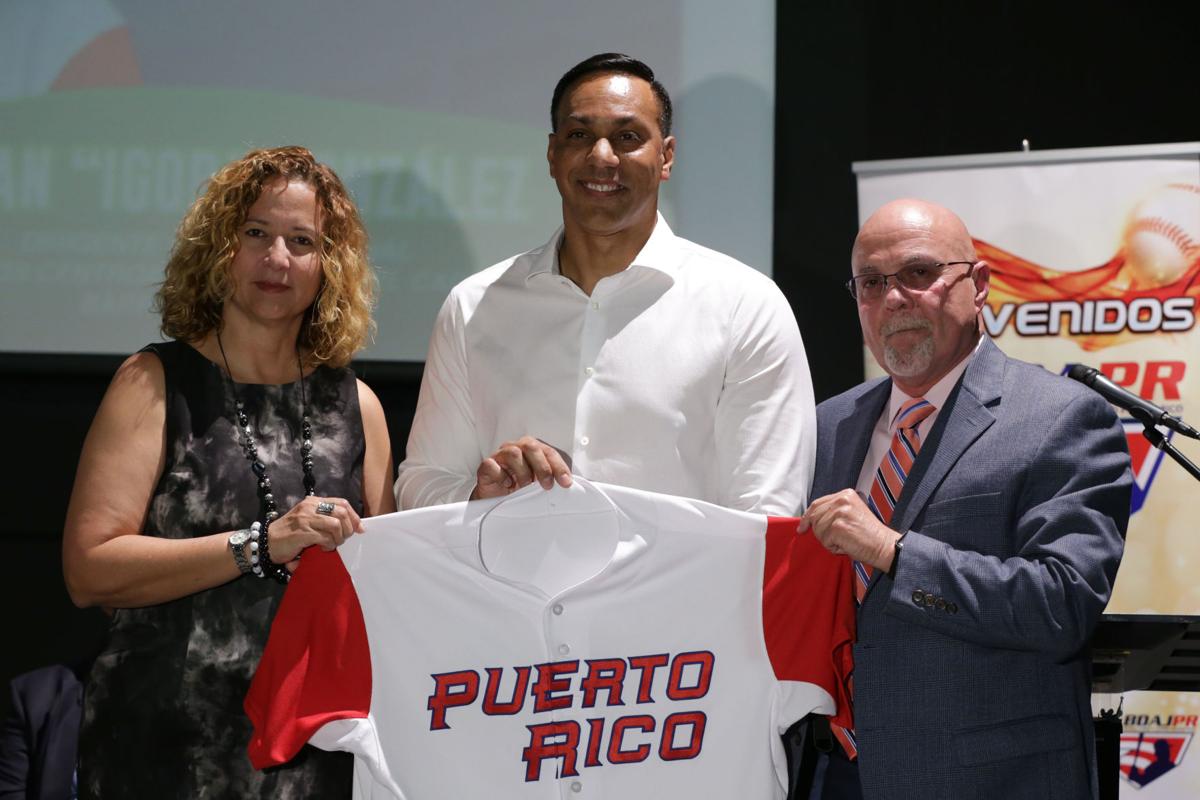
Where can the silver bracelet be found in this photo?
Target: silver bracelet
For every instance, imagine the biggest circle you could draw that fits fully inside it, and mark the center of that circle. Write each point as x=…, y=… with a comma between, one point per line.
x=256, y=536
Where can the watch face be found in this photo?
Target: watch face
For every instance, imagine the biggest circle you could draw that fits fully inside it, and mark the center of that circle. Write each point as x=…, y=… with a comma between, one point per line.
x=239, y=538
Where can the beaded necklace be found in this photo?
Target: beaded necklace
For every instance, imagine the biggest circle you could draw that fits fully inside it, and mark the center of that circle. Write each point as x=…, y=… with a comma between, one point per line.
x=250, y=449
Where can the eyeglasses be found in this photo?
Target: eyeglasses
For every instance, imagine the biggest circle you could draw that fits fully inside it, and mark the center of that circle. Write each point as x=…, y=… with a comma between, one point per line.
x=915, y=278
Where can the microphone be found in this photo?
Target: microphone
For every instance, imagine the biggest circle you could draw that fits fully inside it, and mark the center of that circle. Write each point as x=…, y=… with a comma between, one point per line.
x=1142, y=410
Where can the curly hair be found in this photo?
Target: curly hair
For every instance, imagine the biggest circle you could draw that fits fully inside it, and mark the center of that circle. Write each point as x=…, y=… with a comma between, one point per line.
x=197, y=283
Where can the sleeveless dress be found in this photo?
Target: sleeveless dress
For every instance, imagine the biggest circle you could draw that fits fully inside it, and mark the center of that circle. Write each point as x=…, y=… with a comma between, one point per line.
x=163, y=711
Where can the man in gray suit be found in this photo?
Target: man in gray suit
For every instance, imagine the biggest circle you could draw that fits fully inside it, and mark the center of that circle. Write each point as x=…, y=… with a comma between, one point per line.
x=987, y=550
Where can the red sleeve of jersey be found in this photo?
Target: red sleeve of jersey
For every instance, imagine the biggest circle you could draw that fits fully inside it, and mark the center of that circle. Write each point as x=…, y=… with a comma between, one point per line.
x=317, y=664
x=808, y=613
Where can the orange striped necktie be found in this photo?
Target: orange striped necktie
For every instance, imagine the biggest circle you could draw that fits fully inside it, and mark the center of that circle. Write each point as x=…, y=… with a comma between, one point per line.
x=889, y=480
x=891, y=473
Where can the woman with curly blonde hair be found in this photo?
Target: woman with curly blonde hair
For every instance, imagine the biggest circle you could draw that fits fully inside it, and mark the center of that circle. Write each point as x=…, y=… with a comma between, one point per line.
x=214, y=461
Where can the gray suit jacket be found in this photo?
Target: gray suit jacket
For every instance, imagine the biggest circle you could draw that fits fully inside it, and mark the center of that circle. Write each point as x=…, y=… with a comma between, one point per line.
x=972, y=676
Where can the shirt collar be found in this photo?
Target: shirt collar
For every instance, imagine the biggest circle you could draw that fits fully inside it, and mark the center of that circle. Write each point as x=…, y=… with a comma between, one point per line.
x=582, y=497
x=658, y=253
x=937, y=393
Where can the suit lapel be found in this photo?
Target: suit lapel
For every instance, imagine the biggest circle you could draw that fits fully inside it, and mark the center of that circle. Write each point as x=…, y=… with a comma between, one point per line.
x=964, y=419
x=852, y=438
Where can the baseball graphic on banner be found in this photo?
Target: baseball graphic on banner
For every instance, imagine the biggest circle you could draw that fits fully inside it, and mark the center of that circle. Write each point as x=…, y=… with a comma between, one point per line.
x=1163, y=236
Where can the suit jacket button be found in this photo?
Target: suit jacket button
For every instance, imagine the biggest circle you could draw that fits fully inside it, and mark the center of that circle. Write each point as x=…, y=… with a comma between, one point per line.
x=941, y=604
x=929, y=599
x=952, y=608
x=918, y=597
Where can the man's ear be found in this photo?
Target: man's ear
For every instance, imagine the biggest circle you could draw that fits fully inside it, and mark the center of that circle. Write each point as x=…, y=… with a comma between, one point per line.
x=668, y=152
x=981, y=274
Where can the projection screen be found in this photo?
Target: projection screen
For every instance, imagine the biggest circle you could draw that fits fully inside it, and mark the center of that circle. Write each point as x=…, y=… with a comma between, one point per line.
x=113, y=112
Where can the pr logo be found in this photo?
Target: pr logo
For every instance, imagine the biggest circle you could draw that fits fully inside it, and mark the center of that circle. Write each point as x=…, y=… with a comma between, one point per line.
x=1148, y=755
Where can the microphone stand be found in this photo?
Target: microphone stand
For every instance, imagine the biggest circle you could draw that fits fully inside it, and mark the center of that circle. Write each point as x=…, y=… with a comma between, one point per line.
x=1156, y=438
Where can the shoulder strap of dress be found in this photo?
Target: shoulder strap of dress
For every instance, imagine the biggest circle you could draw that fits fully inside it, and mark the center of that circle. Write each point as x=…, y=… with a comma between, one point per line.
x=167, y=352
x=171, y=354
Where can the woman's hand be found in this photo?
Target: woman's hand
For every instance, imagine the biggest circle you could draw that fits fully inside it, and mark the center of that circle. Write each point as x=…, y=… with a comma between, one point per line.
x=305, y=526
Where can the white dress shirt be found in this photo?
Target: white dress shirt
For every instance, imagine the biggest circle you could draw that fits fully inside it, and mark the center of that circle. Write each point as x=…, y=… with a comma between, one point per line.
x=881, y=438
x=683, y=374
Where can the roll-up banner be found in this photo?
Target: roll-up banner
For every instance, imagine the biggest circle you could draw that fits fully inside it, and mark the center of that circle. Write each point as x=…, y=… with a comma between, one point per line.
x=1095, y=259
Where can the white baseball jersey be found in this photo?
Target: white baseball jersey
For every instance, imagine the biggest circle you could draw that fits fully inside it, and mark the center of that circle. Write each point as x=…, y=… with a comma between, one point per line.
x=595, y=641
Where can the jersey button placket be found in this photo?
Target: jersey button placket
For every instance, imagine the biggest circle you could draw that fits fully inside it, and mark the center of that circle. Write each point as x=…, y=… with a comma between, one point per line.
x=555, y=627
x=557, y=636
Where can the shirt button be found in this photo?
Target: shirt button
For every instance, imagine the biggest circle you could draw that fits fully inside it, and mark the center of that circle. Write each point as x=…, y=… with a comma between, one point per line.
x=558, y=608
x=564, y=649
x=576, y=787
x=585, y=441
x=595, y=306
x=589, y=371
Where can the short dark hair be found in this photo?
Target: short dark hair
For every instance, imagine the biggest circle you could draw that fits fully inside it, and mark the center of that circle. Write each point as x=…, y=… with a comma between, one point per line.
x=620, y=64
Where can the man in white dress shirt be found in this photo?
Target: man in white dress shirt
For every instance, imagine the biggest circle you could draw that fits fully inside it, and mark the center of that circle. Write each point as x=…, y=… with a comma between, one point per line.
x=617, y=350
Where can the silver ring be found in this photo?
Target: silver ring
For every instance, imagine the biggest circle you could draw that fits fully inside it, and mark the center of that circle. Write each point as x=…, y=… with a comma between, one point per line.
x=325, y=507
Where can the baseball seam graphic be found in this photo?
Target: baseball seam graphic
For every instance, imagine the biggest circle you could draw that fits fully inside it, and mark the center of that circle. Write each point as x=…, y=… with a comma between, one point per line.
x=1167, y=229
x=1186, y=187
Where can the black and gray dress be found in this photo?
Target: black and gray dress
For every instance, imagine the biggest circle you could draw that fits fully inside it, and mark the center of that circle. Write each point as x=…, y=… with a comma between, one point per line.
x=163, y=711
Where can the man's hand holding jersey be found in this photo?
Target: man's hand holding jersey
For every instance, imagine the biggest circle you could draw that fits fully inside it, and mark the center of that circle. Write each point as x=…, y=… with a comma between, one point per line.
x=517, y=464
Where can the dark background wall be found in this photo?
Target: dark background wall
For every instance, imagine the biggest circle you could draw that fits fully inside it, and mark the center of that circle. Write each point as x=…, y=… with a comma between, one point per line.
x=855, y=81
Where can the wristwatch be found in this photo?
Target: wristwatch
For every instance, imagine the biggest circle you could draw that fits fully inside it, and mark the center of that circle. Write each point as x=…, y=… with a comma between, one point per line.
x=237, y=546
